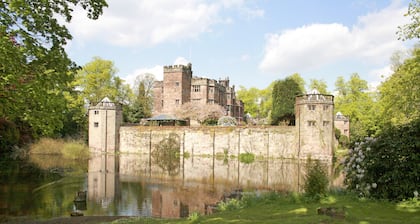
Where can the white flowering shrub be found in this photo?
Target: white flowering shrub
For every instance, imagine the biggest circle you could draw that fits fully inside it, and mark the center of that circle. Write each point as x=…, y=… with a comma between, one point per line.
x=226, y=121
x=387, y=166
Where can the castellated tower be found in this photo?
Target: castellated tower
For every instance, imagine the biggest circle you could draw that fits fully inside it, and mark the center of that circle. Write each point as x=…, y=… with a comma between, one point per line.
x=104, y=126
x=176, y=87
x=315, y=125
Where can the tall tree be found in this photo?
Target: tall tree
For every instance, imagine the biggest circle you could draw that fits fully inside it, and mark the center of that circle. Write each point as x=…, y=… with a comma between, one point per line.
x=141, y=105
x=34, y=68
x=299, y=80
x=400, y=93
x=95, y=81
x=354, y=100
x=284, y=95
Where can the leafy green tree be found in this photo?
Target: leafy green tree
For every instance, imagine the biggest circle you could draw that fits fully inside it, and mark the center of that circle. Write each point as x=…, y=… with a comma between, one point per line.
x=251, y=98
x=95, y=81
x=299, y=80
x=284, y=95
x=411, y=30
x=400, y=93
x=354, y=100
x=34, y=69
x=142, y=103
x=319, y=85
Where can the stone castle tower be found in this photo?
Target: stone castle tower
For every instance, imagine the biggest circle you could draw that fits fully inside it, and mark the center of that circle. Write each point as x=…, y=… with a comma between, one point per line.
x=176, y=87
x=105, y=120
x=315, y=124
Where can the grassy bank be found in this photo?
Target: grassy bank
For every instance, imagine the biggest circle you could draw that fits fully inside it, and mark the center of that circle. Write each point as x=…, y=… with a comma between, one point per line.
x=50, y=153
x=277, y=208
x=69, y=149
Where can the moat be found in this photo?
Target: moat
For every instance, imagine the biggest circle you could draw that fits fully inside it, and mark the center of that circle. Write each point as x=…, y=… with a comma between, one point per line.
x=136, y=184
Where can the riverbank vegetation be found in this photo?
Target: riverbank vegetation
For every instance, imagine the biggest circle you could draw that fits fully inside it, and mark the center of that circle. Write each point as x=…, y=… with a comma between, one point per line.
x=338, y=207
x=70, y=149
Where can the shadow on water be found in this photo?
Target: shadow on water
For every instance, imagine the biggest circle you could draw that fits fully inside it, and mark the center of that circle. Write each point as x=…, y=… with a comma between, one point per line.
x=159, y=184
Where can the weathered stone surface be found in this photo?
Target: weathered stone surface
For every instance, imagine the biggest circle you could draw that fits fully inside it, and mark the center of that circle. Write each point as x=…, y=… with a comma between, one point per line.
x=267, y=142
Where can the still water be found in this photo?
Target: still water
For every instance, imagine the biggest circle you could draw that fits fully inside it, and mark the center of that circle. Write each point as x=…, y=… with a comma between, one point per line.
x=135, y=185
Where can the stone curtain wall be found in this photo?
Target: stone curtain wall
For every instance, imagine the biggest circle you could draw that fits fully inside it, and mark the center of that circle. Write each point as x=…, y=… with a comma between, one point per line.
x=267, y=142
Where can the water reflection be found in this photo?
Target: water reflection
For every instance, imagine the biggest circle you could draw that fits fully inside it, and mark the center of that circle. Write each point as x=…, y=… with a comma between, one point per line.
x=144, y=187
x=139, y=185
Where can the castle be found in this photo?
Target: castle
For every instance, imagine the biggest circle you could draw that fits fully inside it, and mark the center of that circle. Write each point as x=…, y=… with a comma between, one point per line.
x=313, y=135
x=179, y=86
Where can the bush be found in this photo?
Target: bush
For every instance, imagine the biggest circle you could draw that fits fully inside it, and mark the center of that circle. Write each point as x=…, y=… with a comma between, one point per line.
x=388, y=166
x=316, y=180
x=226, y=121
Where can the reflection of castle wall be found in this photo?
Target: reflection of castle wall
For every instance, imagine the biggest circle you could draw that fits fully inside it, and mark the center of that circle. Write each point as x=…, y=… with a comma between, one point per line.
x=272, y=174
x=103, y=178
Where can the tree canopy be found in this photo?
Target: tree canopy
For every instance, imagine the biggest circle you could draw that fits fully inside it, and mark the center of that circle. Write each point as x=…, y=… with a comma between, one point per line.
x=399, y=94
x=412, y=29
x=35, y=70
x=284, y=95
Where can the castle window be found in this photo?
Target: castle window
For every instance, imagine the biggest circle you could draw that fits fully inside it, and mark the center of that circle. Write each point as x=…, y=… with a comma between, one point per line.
x=177, y=101
x=96, y=124
x=311, y=107
x=326, y=123
x=96, y=112
x=211, y=101
x=326, y=107
x=176, y=83
x=196, y=88
x=211, y=89
x=311, y=123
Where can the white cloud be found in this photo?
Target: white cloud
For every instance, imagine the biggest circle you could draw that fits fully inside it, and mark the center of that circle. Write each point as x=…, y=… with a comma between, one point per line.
x=146, y=22
x=372, y=40
x=157, y=71
x=181, y=61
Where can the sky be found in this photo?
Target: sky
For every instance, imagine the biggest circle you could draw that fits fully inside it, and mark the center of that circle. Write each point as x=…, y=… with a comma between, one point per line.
x=252, y=42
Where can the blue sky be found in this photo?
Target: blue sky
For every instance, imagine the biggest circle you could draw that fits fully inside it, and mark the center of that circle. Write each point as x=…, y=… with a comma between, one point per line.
x=252, y=42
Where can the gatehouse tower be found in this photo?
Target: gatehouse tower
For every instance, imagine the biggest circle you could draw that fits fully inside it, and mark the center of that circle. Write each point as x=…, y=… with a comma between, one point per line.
x=315, y=124
x=105, y=120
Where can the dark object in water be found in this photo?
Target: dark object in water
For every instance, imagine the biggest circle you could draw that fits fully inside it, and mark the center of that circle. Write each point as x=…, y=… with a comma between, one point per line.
x=80, y=196
x=80, y=201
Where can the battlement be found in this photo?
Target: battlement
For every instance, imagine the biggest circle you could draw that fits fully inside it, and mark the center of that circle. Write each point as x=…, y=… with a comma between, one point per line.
x=178, y=68
x=315, y=98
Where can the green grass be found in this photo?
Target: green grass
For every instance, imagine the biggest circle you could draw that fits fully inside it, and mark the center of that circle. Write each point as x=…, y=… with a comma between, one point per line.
x=276, y=208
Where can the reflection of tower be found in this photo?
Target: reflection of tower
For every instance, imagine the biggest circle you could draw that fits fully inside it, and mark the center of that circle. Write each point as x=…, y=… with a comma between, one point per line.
x=103, y=178
x=315, y=123
x=104, y=123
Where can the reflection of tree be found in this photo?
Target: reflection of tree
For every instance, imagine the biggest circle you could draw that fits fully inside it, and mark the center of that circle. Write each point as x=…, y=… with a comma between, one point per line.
x=166, y=154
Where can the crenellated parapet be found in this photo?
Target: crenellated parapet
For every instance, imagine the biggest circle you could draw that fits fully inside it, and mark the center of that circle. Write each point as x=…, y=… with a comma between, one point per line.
x=178, y=68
